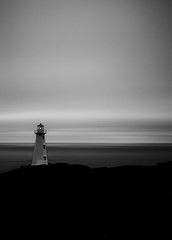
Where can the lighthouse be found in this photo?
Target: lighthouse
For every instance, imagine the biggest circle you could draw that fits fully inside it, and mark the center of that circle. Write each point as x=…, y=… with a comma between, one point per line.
x=40, y=152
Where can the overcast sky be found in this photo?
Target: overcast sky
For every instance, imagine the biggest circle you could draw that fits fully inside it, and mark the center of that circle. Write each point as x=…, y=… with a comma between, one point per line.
x=73, y=61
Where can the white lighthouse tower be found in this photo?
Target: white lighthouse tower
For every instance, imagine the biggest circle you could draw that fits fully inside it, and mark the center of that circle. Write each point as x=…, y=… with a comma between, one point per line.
x=40, y=152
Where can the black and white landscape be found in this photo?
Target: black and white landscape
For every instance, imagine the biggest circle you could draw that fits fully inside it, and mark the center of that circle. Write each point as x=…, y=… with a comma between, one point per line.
x=97, y=75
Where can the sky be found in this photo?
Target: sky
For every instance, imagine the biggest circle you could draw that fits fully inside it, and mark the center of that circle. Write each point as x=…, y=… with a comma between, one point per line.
x=90, y=70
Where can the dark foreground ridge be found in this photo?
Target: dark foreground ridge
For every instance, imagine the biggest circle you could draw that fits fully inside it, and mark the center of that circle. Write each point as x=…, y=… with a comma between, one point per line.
x=75, y=201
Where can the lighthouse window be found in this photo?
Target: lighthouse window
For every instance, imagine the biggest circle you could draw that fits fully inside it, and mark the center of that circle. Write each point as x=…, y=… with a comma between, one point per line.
x=44, y=157
x=43, y=137
x=44, y=146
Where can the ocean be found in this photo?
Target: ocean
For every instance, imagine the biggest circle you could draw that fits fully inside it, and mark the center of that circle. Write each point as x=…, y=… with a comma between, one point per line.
x=14, y=155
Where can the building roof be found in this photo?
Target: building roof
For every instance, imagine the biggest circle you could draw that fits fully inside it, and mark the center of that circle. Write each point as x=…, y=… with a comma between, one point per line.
x=40, y=125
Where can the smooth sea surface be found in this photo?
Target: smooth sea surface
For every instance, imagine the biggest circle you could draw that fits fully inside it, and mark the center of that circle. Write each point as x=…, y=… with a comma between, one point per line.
x=15, y=155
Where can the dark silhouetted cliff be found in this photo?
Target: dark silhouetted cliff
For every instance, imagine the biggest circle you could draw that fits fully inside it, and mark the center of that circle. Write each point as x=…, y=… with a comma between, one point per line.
x=65, y=200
